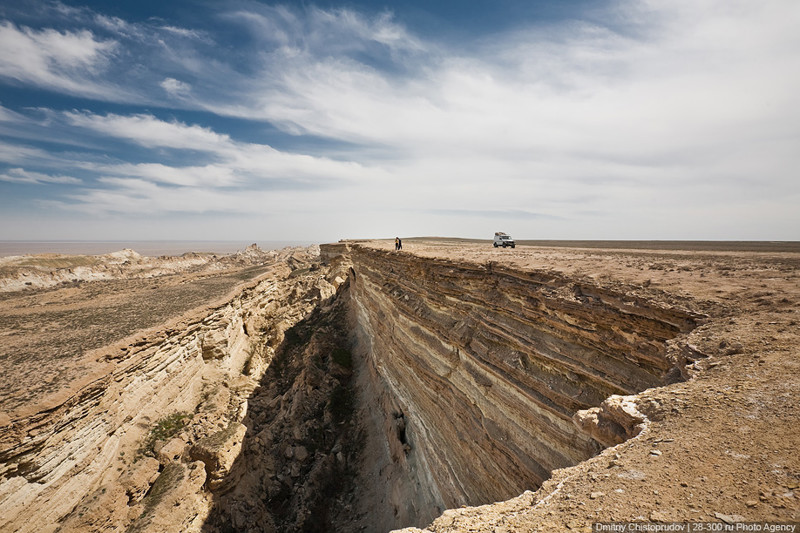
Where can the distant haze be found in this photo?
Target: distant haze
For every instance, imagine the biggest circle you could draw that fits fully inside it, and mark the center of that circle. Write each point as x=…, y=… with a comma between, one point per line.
x=315, y=121
x=146, y=248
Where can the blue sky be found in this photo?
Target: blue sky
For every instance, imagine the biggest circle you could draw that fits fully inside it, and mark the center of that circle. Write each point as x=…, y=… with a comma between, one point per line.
x=318, y=121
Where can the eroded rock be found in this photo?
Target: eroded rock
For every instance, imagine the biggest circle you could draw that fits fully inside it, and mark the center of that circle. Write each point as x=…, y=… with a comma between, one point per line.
x=140, y=478
x=214, y=344
x=219, y=451
x=616, y=420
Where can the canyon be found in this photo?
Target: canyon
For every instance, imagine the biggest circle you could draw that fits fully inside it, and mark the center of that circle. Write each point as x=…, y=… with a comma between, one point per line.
x=447, y=387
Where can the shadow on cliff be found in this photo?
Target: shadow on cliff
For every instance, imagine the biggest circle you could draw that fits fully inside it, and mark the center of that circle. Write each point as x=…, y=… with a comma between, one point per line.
x=297, y=466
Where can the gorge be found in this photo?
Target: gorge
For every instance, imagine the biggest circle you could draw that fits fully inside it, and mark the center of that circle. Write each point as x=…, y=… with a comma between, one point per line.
x=368, y=390
x=478, y=371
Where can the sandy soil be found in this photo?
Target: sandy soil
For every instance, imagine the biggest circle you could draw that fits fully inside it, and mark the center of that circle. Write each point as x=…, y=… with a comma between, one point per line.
x=721, y=446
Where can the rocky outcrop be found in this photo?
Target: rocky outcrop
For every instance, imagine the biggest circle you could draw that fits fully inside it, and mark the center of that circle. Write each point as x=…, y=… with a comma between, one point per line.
x=219, y=451
x=471, y=375
x=369, y=393
x=616, y=420
x=39, y=271
x=143, y=443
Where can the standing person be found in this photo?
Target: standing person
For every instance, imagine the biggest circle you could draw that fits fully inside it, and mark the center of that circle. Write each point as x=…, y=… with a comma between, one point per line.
x=396, y=243
x=399, y=243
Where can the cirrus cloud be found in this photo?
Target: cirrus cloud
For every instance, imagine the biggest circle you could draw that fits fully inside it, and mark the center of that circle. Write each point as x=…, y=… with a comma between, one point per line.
x=69, y=61
x=19, y=175
x=679, y=116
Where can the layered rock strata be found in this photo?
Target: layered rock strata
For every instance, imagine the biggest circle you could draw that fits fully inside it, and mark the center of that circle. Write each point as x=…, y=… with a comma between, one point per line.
x=461, y=383
x=471, y=375
x=141, y=446
x=47, y=270
x=301, y=449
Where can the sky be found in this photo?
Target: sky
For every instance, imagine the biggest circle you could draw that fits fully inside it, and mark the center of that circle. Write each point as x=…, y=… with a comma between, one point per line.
x=320, y=121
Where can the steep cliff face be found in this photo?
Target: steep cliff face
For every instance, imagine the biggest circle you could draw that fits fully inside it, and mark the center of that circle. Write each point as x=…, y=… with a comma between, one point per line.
x=140, y=447
x=295, y=472
x=467, y=383
x=472, y=374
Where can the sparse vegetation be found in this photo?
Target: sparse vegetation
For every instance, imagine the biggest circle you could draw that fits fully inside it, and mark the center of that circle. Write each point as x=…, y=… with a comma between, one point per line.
x=67, y=261
x=164, y=429
x=218, y=439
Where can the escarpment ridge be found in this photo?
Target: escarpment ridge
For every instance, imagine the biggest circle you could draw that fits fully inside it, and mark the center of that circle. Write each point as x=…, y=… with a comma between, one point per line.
x=480, y=369
x=714, y=445
x=363, y=389
x=158, y=424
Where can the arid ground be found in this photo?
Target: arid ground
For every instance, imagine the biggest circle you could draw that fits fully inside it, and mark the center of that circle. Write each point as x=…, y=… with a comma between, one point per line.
x=721, y=446
x=48, y=328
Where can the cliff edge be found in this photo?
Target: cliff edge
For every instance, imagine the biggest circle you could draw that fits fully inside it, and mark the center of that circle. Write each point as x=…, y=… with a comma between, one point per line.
x=679, y=367
x=448, y=387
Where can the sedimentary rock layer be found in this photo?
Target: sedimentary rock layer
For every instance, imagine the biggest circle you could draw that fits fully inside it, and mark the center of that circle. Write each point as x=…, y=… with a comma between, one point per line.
x=295, y=472
x=473, y=372
x=464, y=382
x=107, y=458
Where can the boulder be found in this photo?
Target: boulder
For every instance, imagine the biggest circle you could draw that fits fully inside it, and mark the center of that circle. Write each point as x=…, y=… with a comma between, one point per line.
x=616, y=420
x=219, y=452
x=138, y=481
x=214, y=344
x=171, y=451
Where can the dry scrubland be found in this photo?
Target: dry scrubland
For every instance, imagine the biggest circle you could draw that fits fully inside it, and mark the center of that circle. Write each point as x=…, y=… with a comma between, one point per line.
x=106, y=356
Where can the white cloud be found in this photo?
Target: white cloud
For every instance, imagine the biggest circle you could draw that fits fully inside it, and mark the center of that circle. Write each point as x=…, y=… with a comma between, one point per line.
x=175, y=87
x=346, y=29
x=246, y=161
x=16, y=154
x=183, y=32
x=147, y=130
x=238, y=177
x=692, y=102
x=133, y=196
x=210, y=176
x=595, y=92
x=657, y=120
x=66, y=61
x=326, y=32
x=116, y=25
x=18, y=175
x=9, y=116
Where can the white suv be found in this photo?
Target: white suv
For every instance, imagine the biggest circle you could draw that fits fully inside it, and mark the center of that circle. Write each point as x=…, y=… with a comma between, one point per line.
x=503, y=239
